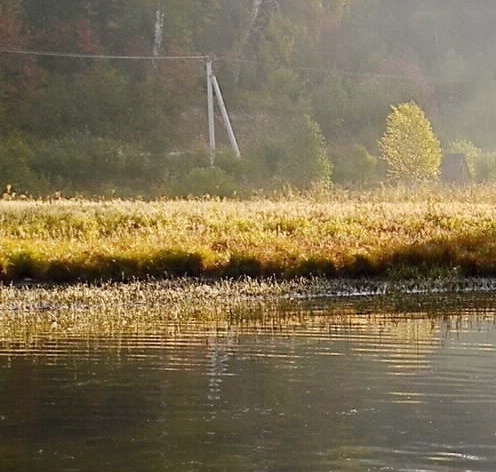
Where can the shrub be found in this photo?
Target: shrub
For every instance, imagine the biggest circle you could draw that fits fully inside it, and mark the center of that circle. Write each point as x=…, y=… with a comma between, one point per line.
x=81, y=162
x=16, y=157
x=261, y=160
x=207, y=181
x=355, y=165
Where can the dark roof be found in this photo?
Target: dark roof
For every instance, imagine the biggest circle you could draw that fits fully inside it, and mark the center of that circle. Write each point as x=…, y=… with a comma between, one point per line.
x=454, y=168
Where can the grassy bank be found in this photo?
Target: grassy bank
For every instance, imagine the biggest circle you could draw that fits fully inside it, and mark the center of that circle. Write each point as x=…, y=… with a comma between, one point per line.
x=392, y=233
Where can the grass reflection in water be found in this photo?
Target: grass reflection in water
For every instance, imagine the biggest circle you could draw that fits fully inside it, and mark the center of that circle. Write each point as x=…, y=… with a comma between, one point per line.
x=173, y=307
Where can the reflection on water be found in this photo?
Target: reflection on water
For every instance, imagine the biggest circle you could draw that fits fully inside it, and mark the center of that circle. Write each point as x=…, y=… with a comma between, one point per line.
x=310, y=391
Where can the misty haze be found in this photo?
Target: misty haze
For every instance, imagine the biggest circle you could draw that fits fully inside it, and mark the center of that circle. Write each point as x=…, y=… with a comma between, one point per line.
x=247, y=235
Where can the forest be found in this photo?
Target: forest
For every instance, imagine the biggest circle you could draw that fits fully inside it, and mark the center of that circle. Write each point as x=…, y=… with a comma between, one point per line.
x=109, y=97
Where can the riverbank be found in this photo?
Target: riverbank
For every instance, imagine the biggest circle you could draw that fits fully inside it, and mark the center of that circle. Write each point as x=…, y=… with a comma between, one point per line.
x=393, y=234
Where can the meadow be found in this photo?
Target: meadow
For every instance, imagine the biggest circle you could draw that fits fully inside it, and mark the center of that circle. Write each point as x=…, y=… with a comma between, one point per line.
x=392, y=233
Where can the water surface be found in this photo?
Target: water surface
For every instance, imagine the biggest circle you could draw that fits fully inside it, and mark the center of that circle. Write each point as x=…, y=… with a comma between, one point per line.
x=309, y=391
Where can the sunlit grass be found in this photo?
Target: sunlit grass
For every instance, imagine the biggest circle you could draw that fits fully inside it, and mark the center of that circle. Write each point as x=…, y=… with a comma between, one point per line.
x=400, y=232
x=415, y=240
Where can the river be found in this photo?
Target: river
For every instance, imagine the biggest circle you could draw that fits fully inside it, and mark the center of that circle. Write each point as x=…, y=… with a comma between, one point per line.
x=308, y=391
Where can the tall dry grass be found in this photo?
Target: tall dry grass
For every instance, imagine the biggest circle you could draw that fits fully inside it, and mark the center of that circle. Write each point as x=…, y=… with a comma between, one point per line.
x=401, y=232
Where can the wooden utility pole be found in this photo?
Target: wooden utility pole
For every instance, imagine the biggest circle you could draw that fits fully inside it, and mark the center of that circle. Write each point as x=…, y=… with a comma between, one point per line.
x=213, y=88
x=211, y=119
x=225, y=116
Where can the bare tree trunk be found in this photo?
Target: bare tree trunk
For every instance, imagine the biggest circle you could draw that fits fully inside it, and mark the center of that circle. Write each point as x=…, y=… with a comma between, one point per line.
x=245, y=37
x=158, y=30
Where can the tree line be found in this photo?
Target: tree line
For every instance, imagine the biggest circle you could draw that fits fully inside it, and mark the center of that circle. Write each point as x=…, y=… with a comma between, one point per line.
x=309, y=86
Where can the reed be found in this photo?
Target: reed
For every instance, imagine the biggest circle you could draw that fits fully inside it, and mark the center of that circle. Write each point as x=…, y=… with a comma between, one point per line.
x=389, y=232
x=33, y=316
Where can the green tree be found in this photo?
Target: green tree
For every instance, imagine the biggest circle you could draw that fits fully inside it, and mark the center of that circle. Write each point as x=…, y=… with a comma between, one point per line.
x=307, y=160
x=20, y=76
x=409, y=145
x=15, y=161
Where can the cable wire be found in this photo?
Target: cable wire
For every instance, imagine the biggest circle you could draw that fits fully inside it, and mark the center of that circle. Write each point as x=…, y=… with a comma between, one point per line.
x=100, y=56
x=342, y=73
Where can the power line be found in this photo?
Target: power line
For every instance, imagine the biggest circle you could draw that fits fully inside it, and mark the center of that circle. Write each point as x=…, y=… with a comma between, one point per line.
x=338, y=72
x=100, y=56
x=356, y=75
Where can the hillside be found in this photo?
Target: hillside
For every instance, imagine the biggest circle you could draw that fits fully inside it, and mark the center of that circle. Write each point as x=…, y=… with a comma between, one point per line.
x=308, y=84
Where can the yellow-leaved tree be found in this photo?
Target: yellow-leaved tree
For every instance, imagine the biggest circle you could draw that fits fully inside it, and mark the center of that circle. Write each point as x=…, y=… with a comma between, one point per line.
x=409, y=145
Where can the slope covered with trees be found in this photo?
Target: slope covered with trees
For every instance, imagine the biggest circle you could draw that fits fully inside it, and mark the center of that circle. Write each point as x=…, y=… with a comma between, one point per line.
x=308, y=84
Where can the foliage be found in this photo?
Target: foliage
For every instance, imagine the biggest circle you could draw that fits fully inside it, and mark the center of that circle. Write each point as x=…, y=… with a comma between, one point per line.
x=80, y=163
x=355, y=165
x=296, y=155
x=340, y=62
x=96, y=104
x=261, y=161
x=409, y=145
x=485, y=167
x=331, y=105
x=20, y=76
x=306, y=159
x=207, y=181
x=16, y=157
x=471, y=152
x=481, y=162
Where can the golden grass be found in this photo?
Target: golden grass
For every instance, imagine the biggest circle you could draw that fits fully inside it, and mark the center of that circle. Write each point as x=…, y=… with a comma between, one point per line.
x=400, y=232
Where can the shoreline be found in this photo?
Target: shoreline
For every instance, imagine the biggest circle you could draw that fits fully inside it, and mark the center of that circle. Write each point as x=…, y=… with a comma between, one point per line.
x=31, y=315
x=235, y=290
